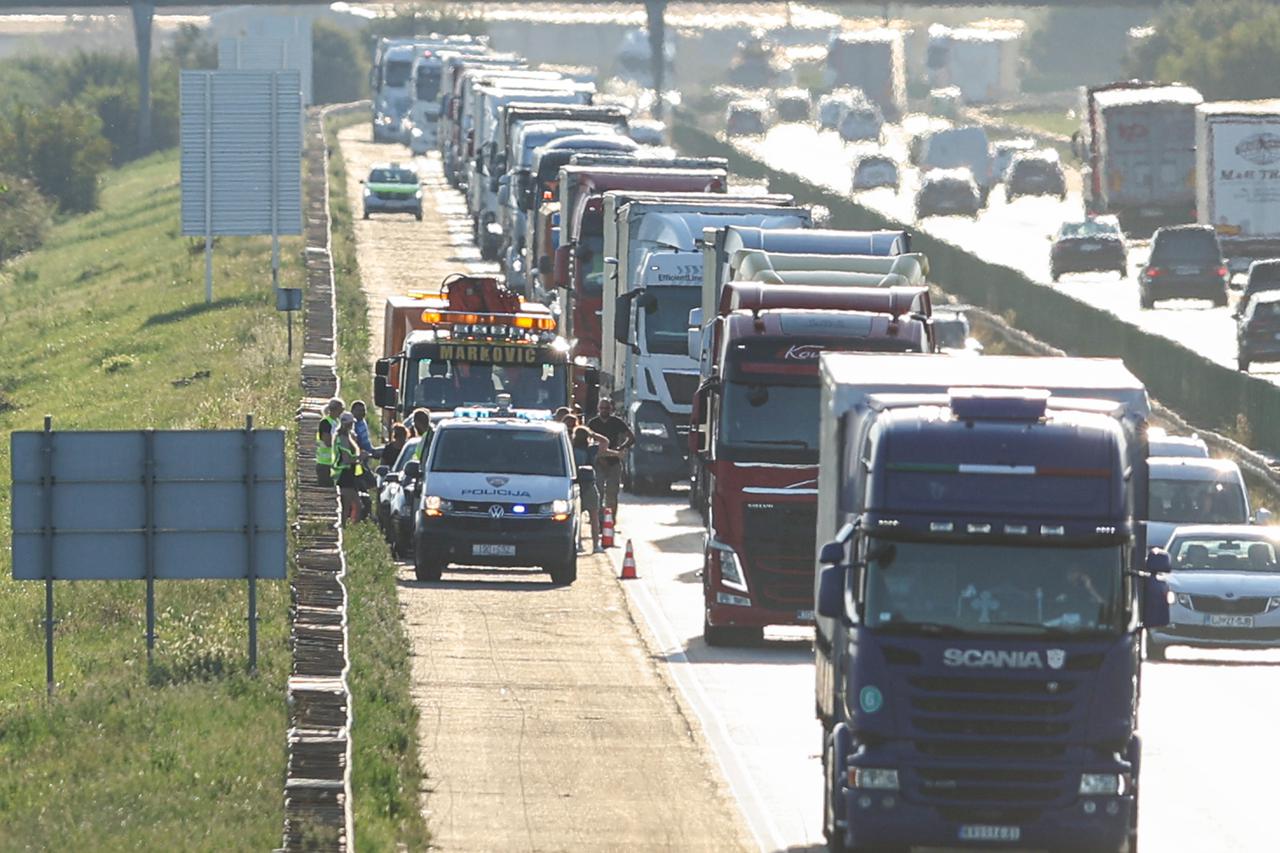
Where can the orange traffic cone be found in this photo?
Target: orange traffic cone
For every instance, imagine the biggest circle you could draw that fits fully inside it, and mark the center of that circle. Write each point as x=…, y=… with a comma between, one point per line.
x=606, y=528
x=629, y=564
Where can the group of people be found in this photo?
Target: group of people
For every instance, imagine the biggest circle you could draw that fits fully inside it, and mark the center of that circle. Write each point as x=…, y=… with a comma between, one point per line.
x=598, y=448
x=344, y=449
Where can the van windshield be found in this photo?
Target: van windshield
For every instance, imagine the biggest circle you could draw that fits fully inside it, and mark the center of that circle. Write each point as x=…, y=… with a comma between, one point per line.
x=1197, y=502
x=531, y=452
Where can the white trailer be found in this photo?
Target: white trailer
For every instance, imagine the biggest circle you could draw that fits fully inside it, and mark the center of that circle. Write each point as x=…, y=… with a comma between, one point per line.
x=1238, y=177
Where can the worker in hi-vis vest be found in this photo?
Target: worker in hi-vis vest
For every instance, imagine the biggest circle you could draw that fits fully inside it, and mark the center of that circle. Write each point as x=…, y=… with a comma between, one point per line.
x=422, y=429
x=325, y=433
x=347, y=469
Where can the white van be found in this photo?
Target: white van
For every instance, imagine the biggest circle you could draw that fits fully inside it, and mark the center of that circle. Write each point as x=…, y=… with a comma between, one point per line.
x=1195, y=491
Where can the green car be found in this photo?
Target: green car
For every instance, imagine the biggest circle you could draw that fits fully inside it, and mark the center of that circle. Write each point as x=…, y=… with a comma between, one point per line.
x=390, y=188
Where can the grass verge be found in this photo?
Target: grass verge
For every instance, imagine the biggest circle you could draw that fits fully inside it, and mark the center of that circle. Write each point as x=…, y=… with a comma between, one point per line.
x=386, y=777
x=105, y=327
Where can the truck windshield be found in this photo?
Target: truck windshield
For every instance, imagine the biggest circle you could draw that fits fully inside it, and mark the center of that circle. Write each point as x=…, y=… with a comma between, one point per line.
x=666, y=319
x=955, y=587
x=591, y=251
x=428, y=83
x=758, y=415
x=438, y=384
x=534, y=452
x=396, y=74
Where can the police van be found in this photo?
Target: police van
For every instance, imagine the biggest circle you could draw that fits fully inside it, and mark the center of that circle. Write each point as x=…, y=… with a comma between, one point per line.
x=499, y=489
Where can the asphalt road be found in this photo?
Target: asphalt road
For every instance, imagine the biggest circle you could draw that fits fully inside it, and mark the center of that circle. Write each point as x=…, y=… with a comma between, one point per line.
x=1012, y=234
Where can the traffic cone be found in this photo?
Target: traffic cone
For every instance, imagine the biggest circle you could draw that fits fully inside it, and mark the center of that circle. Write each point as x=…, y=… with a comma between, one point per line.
x=629, y=564
x=606, y=528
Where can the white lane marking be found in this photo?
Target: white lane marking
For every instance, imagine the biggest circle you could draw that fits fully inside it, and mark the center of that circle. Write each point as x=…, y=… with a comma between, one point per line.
x=744, y=789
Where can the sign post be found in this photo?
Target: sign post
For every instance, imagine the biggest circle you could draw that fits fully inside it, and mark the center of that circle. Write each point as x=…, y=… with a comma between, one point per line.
x=46, y=530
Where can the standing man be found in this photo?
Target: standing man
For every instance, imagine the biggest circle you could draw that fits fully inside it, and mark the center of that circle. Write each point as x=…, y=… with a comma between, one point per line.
x=361, y=430
x=324, y=441
x=609, y=461
x=422, y=428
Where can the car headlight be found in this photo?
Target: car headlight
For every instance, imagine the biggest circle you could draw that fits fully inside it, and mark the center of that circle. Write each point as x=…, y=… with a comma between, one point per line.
x=874, y=778
x=434, y=506
x=730, y=568
x=652, y=429
x=559, y=506
x=416, y=132
x=1184, y=600
x=1095, y=784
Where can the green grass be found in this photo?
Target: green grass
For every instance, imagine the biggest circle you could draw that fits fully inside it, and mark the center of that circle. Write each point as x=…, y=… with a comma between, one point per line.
x=1048, y=121
x=105, y=327
x=386, y=777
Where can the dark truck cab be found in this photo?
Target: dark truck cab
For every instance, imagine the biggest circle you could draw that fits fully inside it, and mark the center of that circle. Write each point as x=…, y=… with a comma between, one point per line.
x=755, y=431
x=982, y=604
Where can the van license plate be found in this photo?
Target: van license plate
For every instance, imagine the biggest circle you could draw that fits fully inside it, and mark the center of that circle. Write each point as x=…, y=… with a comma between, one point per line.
x=804, y=615
x=493, y=550
x=985, y=832
x=1225, y=620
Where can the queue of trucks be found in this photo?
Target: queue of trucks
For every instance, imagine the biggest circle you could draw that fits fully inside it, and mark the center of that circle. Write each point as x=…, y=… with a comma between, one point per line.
x=965, y=534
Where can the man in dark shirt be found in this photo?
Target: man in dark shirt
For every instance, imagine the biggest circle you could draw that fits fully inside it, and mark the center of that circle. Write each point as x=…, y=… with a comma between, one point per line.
x=609, y=461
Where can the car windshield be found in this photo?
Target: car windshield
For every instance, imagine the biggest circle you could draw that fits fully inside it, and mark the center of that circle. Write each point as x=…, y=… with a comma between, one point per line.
x=392, y=176
x=534, y=452
x=1189, y=246
x=1215, y=553
x=1264, y=276
x=440, y=384
x=666, y=318
x=407, y=452
x=993, y=589
x=1034, y=168
x=1196, y=502
x=756, y=415
x=1267, y=311
x=397, y=73
x=1089, y=228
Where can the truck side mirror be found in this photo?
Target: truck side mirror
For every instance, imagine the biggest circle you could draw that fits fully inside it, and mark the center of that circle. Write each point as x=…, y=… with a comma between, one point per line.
x=560, y=271
x=1155, y=590
x=384, y=396
x=695, y=343
x=831, y=585
x=382, y=367
x=622, y=317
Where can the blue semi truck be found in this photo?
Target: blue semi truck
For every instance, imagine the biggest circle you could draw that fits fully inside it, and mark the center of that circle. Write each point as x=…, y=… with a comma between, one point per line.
x=982, y=588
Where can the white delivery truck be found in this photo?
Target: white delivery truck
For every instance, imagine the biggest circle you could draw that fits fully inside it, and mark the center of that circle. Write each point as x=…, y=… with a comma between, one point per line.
x=1238, y=177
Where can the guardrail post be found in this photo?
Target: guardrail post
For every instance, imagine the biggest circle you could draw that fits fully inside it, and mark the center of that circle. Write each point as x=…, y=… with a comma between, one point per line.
x=250, y=531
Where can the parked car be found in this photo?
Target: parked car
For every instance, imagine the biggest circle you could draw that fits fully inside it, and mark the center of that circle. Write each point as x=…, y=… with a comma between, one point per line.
x=746, y=118
x=1258, y=330
x=947, y=192
x=792, y=105
x=1160, y=443
x=1092, y=245
x=1035, y=173
x=1225, y=589
x=391, y=188
x=1195, y=491
x=1003, y=152
x=875, y=170
x=397, y=497
x=1186, y=263
x=861, y=123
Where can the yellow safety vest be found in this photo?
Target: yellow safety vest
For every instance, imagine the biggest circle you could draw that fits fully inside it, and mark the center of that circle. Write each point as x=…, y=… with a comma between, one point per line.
x=421, y=450
x=324, y=453
x=353, y=459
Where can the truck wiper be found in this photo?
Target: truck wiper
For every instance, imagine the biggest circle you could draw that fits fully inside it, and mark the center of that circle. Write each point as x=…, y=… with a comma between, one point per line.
x=789, y=442
x=920, y=628
x=1055, y=630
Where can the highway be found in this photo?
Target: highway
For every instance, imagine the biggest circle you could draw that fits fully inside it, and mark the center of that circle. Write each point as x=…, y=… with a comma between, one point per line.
x=1014, y=235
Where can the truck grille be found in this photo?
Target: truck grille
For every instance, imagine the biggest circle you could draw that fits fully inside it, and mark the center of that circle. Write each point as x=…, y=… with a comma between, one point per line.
x=778, y=549
x=681, y=386
x=974, y=737
x=1237, y=606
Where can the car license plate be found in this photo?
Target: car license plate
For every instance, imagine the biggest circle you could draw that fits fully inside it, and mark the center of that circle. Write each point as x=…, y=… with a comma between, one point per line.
x=1186, y=270
x=804, y=615
x=493, y=550
x=1090, y=247
x=1226, y=620
x=987, y=832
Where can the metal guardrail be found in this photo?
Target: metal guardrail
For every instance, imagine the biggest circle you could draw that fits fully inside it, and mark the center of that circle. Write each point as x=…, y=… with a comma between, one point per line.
x=317, y=791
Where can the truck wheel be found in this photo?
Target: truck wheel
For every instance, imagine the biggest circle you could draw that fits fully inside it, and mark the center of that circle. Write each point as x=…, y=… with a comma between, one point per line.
x=426, y=568
x=366, y=214
x=565, y=570
x=403, y=546
x=1145, y=300
x=730, y=635
x=1243, y=363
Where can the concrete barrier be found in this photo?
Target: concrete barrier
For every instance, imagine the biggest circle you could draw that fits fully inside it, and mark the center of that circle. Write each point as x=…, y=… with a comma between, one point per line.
x=1204, y=392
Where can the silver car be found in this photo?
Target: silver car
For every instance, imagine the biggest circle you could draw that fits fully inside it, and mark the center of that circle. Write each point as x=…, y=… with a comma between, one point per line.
x=1225, y=585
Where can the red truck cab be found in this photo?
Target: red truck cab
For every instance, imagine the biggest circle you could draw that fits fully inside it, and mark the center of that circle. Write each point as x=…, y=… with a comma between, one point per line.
x=755, y=425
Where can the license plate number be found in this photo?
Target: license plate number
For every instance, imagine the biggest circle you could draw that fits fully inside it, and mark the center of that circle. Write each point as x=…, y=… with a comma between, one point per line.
x=1224, y=620
x=985, y=832
x=1090, y=247
x=804, y=615
x=493, y=550
x=1187, y=270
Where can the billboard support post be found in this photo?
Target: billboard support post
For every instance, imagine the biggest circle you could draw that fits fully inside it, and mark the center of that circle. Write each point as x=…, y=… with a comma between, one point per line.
x=46, y=524
x=251, y=528
x=149, y=531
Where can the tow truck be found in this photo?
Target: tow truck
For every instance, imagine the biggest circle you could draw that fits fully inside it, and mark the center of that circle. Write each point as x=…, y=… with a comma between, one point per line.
x=465, y=345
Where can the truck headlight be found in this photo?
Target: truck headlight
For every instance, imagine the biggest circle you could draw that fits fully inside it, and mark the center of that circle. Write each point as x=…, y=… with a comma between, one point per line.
x=1096, y=784
x=1184, y=600
x=434, y=506
x=367, y=192
x=418, y=194
x=730, y=568
x=874, y=778
x=653, y=429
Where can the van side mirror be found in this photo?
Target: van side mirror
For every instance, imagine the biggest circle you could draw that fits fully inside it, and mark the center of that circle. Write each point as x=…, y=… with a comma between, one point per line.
x=1262, y=516
x=412, y=469
x=831, y=585
x=384, y=396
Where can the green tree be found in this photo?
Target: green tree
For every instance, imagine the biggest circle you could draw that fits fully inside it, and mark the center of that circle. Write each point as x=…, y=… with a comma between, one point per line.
x=339, y=66
x=421, y=18
x=192, y=48
x=25, y=216
x=59, y=147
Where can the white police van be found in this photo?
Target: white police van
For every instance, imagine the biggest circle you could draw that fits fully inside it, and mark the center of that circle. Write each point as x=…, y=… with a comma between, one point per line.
x=499, y=489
